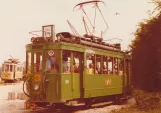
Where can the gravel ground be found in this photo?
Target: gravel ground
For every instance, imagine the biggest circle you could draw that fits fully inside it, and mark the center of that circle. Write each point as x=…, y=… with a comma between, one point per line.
x=108, y=108
x=11, y=106
x=17, y=106
x=10, y=87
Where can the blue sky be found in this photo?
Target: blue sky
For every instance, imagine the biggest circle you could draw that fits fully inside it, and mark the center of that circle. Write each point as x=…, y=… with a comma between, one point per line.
x=19, y=17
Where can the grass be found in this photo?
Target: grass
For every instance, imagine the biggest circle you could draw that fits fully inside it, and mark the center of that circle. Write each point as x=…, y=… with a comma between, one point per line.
x=134, y=109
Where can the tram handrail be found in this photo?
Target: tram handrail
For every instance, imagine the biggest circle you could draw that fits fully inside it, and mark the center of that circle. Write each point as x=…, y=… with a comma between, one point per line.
x=24, y=86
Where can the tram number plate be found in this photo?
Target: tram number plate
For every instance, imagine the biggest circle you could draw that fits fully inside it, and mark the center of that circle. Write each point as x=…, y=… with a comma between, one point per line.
x=6, y=74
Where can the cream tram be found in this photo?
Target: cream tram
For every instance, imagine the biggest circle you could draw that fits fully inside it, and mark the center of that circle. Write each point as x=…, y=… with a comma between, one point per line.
x=12, y=70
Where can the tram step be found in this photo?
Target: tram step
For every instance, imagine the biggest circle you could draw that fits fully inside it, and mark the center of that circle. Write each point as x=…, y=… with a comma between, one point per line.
x=79, y=104
x=74, y=103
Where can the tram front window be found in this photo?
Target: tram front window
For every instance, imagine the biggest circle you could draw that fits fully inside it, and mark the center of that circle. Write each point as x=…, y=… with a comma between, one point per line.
x=11, y=68
x=37, y=62
x=52, y=58
x=6, y=68
x=66, y=61
x=28, y=63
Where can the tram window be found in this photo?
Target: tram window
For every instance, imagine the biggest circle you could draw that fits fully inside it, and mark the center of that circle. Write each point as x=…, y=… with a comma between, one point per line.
x=121, y=66
x=115, y=65
x=105, y=66
x=11, y=68
x=90, y=63
x=110, y=65
x=19, y=68
x=37, y=61
x=28, y=63
x=14, y=68
x=98, y=64
x=66, y=61
x=6, y=68
x=52, y=61
x=76, y=63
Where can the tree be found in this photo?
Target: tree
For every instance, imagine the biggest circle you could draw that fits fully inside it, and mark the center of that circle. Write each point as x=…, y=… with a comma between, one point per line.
x=158, y=5
x=146, y=55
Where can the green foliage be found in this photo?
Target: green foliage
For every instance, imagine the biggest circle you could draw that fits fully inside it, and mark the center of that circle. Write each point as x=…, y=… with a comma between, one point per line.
x=135, y=110
x=147, y=100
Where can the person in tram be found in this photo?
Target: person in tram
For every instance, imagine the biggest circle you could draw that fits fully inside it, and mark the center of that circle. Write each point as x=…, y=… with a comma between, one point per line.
x=54, y=66
x=48, y=64
x=51, y=64
x=66, y=65
x=105, y=69
x=91, y=68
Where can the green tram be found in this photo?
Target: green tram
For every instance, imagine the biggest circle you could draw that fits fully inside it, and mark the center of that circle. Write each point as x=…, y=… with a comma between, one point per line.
x=72, y=70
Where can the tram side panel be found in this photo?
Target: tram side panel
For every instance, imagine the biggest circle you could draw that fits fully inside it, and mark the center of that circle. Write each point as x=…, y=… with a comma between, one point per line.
x=101, y=81
x=94, y=84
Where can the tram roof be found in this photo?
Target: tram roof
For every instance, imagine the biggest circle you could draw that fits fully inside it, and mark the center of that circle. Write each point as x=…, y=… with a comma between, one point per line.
x=72, y=47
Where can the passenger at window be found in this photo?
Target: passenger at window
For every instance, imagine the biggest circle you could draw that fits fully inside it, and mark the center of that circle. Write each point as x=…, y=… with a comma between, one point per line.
x=51, y=65
x=66, y=65
x=91, y=68
x=105, y=69
x=76, y=62
x=48, y=64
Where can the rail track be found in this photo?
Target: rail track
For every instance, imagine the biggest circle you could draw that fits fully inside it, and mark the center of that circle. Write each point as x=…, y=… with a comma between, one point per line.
x=104, y=106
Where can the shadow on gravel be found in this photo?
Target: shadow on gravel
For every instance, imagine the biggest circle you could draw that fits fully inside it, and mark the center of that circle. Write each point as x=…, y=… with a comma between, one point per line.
x=75, y=109
x=66, y=109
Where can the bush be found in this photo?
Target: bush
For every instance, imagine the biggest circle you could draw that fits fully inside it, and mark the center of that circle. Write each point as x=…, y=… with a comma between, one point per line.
x=147, y=100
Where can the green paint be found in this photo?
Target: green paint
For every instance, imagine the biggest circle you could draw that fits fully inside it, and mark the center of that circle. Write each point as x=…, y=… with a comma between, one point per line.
x=61, y=87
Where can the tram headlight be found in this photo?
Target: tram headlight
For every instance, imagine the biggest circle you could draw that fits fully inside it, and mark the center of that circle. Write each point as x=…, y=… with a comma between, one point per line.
x=36, y=87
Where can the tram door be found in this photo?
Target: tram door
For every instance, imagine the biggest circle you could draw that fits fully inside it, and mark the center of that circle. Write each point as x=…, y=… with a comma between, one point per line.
x=77, y=75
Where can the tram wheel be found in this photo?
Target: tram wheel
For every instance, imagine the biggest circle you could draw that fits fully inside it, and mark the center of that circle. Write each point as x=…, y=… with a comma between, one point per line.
x=117, y=100
x=7, y=81
x=59, y=105
x=89, y=103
